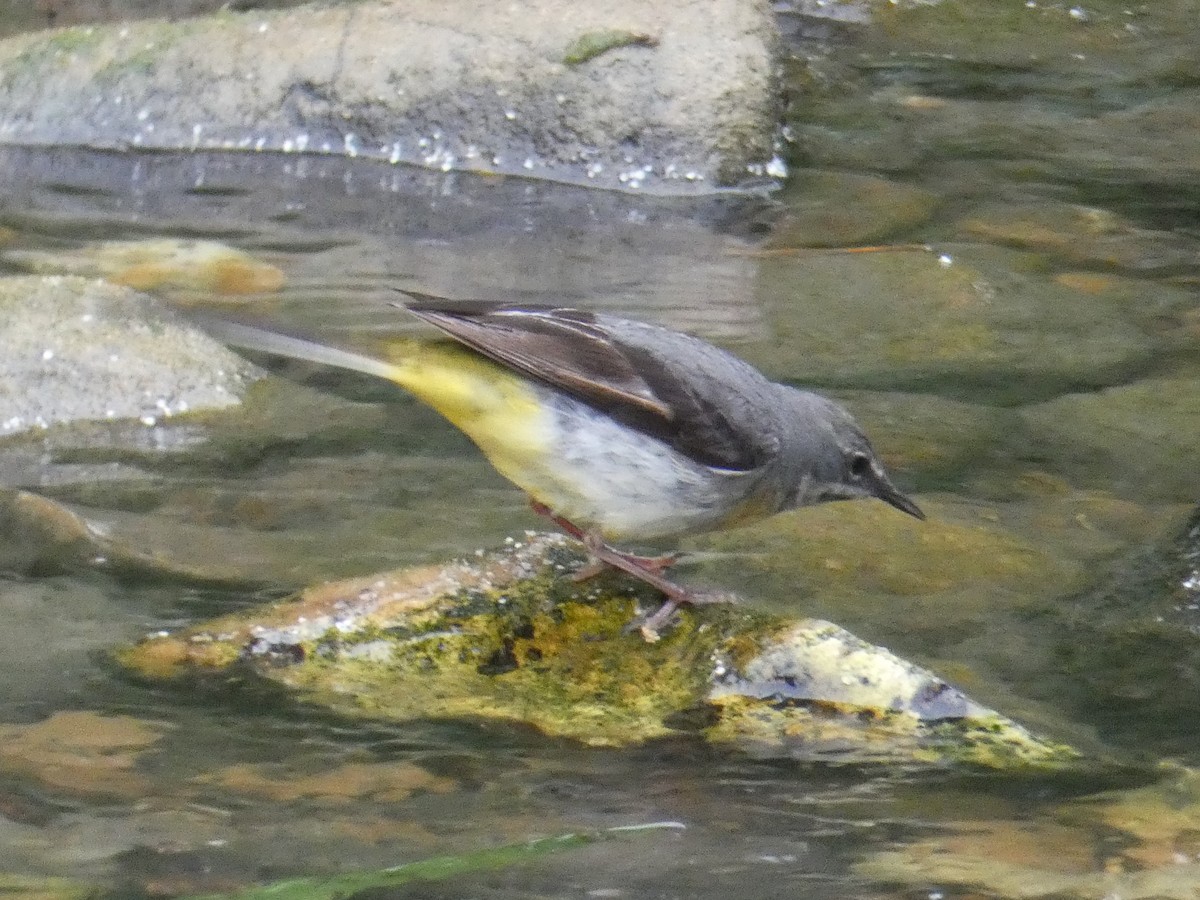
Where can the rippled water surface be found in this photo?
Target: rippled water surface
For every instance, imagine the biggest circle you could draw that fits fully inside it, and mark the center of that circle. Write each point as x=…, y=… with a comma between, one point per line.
x=988, y=248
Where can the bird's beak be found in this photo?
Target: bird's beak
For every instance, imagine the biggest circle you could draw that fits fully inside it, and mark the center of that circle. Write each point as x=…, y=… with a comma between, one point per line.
x=888, y=493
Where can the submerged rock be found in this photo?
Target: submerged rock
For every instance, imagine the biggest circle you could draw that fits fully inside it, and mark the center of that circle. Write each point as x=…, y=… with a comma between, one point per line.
x=208, y=266
x=824, y=208
x=82, y=751
x=511, y=636
x=1130, y=650
x=1081, y=235
x=1139, y=438
x=971, y=321
x=1137, y=844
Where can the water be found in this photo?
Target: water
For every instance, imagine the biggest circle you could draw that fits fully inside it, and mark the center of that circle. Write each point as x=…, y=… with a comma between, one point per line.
x=1025, y=356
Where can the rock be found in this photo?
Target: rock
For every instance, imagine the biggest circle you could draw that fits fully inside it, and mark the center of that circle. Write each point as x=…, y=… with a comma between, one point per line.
x=1138, y=440
x=86, y=350
x=974, y=92
x=832, y=209
x=924, y=583
x=86, y=753
x=510, y=637
x=207, y=266
x=1135, y=843
x=41, y=535
x=934, y=436
x=1128, y=658
x=1081, y=235
x=969, y=320
x=676, y=96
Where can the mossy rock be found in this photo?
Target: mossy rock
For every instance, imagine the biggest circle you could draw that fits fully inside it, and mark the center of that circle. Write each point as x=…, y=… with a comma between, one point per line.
x=511, y=636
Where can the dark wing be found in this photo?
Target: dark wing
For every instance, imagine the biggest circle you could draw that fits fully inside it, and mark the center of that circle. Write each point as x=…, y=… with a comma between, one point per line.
x=702, y=401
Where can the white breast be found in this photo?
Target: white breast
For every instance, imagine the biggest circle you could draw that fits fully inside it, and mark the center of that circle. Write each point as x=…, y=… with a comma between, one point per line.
x=603, y=475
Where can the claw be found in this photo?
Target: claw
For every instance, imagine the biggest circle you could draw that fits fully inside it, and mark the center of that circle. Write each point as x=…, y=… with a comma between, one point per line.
x=647, y=569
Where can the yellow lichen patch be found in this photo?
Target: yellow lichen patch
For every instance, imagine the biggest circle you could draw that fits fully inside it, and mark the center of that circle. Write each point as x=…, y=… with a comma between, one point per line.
x=159, y=657
x=79, y=752
x=383, y=782
x=761, y=726
x=568, y=669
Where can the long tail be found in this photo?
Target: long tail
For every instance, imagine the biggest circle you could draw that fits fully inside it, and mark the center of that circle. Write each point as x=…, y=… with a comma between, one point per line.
x=251, y=338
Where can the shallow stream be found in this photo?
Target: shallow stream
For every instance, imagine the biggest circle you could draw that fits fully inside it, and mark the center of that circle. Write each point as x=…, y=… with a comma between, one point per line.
x=989, y=248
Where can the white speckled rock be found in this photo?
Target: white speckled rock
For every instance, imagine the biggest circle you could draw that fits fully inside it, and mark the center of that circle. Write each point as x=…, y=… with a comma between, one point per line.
x=77, y=349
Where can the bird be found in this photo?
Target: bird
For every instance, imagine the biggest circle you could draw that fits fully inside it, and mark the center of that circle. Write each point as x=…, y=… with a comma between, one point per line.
x=617, y=430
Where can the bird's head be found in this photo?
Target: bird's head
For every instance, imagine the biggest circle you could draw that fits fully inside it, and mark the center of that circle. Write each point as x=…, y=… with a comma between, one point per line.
x=831, y=458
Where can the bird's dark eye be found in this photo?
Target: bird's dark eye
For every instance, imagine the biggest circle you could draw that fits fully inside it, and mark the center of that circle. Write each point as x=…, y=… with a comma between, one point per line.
x=860, y=465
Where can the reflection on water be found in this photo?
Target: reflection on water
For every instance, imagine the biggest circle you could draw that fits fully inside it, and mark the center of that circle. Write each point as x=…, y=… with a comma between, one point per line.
x=349, y=231
x=1033, y=375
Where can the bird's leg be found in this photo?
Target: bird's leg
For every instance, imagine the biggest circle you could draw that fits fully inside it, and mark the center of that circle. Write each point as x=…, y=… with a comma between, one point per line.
x=657, y=564
x=675, y=594
x=647, y=569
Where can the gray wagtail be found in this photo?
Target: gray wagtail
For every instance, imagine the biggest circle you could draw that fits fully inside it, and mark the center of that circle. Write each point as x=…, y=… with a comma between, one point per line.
x=618, y=430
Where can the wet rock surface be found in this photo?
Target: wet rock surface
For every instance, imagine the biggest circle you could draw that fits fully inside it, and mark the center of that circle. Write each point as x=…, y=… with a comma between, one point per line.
x=1138, y=843
x=673, y=97
x=206, y=266
x=1143, y=434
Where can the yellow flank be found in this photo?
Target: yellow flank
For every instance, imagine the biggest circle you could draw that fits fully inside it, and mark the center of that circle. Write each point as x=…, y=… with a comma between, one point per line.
x=493, y=406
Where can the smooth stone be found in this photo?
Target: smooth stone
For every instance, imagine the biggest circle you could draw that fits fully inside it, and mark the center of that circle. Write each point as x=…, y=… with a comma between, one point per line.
x=203, y=266
x=833, y=209
x=1137, y=440
x=972, y=322
x=1081, y=235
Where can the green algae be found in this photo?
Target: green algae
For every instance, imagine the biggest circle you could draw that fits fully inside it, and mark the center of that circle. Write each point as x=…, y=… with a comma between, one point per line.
x=591, y=44
x=437, y=868
x=74, y=39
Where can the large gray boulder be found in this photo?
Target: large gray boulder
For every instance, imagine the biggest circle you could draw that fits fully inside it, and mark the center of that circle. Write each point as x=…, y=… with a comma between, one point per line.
x=675, y=95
